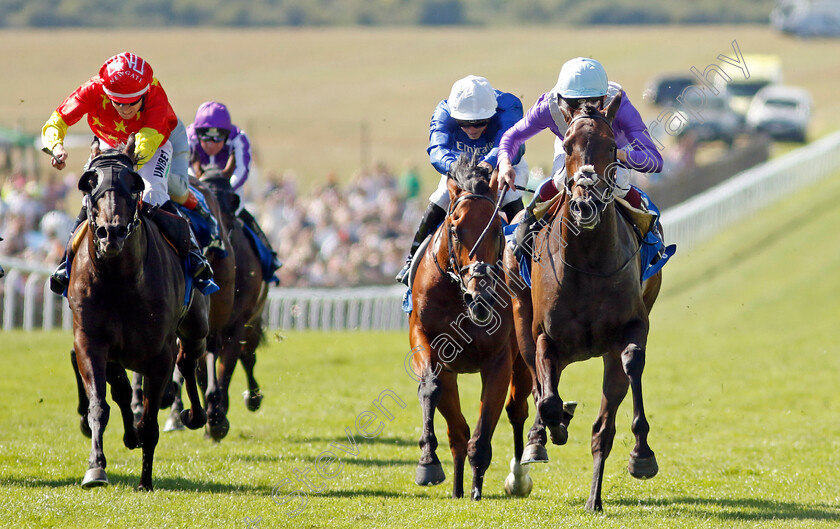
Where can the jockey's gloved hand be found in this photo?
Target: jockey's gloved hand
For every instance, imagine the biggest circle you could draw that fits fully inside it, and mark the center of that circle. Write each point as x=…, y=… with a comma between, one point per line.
x=507, y=175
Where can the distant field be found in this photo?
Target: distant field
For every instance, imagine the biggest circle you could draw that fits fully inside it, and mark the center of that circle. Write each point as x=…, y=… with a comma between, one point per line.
x=740, y=390
x=317, y=101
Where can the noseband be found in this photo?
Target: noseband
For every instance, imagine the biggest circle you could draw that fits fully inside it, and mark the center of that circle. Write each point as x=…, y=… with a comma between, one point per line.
x=477, y=269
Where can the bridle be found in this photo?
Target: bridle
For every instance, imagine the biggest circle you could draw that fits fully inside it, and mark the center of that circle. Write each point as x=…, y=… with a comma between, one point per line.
x=590, y=179
x=455, y=271
x=108, y=179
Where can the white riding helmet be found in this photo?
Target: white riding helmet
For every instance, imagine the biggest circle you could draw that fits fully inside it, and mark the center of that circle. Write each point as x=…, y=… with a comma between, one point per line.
x=581, y=78
x=472, y=98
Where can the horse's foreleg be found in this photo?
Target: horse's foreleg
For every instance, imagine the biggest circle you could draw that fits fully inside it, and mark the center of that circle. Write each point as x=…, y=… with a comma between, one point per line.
x=603, y=430
x=429, y=470
x=549, y=405
x=121, y=393
x=518, y=483
x=82, y=408
x=494, y=384
x=92, y=371
x=154, y=384
x=253, y=397
x=189, y=353
x=449, y=405
x=642, y=459
x=217, y=421
x=173, y=422
x=137, y=396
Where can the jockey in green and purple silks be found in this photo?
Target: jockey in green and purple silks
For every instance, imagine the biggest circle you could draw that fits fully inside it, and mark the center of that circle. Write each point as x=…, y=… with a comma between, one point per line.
x=581, y=79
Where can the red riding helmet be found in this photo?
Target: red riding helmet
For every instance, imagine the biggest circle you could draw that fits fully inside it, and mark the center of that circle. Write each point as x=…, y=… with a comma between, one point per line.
x=125, y=77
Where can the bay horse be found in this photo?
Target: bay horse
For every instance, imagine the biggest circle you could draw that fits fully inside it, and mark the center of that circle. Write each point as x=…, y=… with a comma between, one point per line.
x=461, y=322
x=587, y=299
x=239, y=337
x=127, y=295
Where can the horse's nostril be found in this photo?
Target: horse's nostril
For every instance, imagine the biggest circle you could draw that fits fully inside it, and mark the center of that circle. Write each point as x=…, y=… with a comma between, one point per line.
x=122, y=231
x=101, y=232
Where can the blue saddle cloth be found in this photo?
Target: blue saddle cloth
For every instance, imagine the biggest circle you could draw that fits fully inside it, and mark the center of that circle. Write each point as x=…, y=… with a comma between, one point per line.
x=201, y=227
x=265, y=255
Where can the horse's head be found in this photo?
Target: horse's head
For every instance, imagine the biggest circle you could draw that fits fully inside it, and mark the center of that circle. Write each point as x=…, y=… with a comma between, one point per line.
x=112, y=192
x=219, y=184
x=471, y=208
x=590, y=159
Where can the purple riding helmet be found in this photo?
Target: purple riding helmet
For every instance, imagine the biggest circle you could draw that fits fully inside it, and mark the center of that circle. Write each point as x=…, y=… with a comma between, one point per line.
x=212, y=122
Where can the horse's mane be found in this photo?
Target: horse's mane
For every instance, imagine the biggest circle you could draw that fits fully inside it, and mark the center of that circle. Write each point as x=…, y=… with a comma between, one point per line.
x=469, y=176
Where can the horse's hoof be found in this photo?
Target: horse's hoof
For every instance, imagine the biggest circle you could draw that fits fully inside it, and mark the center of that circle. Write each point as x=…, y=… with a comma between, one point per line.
x=173, y=423
x=431, y=474
x=518, y=482
x=534, y=453
x=95, y=477
x=145, y=488
x=131, y=441
x=253, y=399
x=643, y=468
x=84, y=426
x=559, y=434
x=594, y=505
x=476, y=494
x=193, y=421
x=569, y=407
x=218, y=430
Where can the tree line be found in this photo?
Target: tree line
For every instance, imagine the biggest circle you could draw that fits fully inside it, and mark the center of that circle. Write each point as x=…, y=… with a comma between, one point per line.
x=300, y=13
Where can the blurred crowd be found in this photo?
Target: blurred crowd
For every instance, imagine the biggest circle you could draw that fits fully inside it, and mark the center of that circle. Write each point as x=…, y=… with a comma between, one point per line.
x=336, y=235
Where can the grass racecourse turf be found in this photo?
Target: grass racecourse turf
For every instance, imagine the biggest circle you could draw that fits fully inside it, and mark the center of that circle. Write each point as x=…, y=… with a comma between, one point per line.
x=740, y=390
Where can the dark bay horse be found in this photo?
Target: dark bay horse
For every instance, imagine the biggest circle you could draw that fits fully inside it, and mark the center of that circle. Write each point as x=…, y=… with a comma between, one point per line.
x=587, y=299
x=221, y=305
x=127, y=292
x=238, y=337
x=462, y=322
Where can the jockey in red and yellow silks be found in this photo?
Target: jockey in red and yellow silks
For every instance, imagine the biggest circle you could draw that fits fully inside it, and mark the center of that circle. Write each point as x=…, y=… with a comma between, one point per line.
x=124, y=99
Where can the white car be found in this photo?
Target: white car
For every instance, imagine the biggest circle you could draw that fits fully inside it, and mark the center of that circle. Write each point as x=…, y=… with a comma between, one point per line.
x=783, y=112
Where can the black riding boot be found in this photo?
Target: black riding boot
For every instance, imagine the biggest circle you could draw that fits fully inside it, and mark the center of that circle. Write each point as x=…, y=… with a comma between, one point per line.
x=177, y=229
x=433, y=216
x=251, y=222
x=510, y=210
x=60, y=279
x=523, y=235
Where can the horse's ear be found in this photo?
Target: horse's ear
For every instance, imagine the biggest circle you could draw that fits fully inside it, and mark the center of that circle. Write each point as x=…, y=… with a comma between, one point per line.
x=230, y=166
x=452, y=186
x=94, y=148
x=565, y=109
x=129, y=148
x=494, y=181
x=612, y=109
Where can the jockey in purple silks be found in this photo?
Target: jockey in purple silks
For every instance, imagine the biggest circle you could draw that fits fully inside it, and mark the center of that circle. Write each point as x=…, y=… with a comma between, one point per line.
x=581, y=79
x=213, y=139
x=471, y=121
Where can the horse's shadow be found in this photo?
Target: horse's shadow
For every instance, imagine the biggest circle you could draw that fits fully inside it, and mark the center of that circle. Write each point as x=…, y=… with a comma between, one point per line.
x=128, y=480
x=749, y=509
x=396, y=441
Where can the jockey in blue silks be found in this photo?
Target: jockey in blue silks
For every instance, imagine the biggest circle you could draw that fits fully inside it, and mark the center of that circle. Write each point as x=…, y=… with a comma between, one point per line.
x=471, y=121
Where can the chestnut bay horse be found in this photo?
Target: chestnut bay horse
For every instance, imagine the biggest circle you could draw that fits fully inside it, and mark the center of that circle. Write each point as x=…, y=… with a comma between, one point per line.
x=127, y=294
x=587, y=299
x=462, y=322
x=239, y=337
